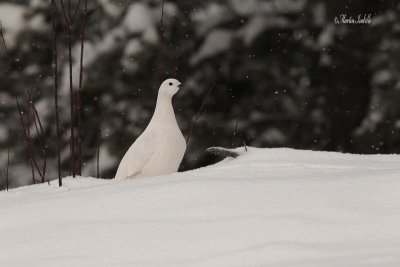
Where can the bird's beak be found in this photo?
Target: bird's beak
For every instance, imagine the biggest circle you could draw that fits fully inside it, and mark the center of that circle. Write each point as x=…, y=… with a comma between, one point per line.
x=180, y=85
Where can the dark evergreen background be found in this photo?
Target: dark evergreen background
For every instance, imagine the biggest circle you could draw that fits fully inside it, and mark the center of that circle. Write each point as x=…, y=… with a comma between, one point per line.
x=284, y=72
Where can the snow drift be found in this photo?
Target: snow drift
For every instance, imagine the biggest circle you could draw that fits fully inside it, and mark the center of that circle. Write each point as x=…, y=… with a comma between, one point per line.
x=268, y=207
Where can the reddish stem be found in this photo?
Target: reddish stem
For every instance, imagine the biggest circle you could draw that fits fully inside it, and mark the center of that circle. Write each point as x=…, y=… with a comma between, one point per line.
x=55, y=52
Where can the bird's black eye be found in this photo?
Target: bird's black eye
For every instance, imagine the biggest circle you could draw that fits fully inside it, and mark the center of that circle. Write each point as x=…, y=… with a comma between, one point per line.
x=170, y=84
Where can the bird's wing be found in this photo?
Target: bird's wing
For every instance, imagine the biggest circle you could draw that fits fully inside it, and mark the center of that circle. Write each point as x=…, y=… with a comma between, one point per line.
x=138, y=155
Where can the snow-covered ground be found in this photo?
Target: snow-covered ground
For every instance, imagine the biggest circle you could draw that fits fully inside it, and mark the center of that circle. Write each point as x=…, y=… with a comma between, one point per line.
x=268, y=207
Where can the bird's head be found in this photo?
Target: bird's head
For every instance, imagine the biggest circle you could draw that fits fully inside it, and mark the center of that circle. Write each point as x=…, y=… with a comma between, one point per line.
x=170, y=87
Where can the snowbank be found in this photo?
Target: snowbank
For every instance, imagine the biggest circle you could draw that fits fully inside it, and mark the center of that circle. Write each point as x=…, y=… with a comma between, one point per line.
x=268, y=207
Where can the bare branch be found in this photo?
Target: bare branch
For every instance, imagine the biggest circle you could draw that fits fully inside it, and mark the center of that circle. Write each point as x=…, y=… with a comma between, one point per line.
x=76, y=11
x=64, y=13
x=162, y=42
x=199, y=113
x=29, y=143
x=55, y=52
x=67, y=20
x=41, y=134
x=25, y=128
x=235, y=130
x=8, y=165
x=79, y=97
x=98, y=152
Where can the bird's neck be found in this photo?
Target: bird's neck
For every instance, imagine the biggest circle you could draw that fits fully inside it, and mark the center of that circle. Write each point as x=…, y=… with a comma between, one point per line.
x=164, y=112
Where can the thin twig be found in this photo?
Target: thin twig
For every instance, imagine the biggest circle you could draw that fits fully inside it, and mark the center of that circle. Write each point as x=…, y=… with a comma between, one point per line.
x=25, y=128
x=64, y=13
x=29, y=143
x=71, y=90
x=69, y=10
x=32, y=156
x=178, y=51
x=235, y=130
x=199, y=113
x=5, y=174
x=76, y=11
x=79, y=97
x=56, y=91
x=98, y=152
x=245, y=146
x=41, y=134
x=8, y=165
x=162, y=42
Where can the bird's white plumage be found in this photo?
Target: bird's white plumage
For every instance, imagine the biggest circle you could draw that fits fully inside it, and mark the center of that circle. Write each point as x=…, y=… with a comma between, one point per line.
x=160, y=148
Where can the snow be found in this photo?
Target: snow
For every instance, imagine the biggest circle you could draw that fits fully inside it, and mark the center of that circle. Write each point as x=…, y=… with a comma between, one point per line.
x=326, y=37
x=111, y=8
x=375, y=115
x=12, y=21
x=216, y=42
x=210, y=16
x=133, y=47
x=397, y=124
x=39, y=4
x=38, y=23
x=3, y=133
x=138, y=19
x=246, y=8
x=273, y=135
x=220, y=40
x=268, y=207
x=319, y=14
x=381, y=77
x=259, y=24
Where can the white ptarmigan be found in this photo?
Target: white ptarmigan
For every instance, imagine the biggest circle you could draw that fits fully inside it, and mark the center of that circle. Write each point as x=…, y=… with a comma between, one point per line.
x=160, y=148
